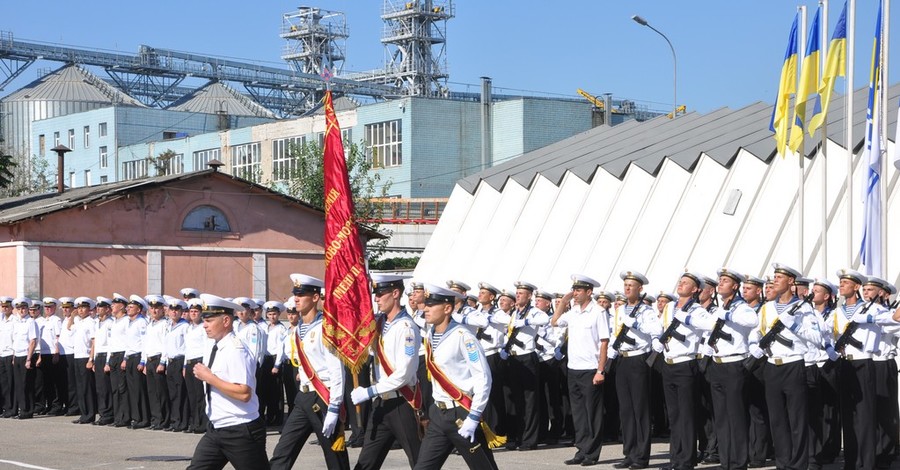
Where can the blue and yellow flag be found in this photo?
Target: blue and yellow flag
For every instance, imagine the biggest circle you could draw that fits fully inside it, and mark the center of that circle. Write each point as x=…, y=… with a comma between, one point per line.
x=870, y=253
x=835, y=66
x=786, y=88
x=809, y=82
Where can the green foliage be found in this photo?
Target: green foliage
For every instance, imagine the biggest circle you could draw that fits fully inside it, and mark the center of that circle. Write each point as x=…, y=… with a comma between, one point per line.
x=394, y=264
x=303, y=177
x=22, y=177
x=7, y=165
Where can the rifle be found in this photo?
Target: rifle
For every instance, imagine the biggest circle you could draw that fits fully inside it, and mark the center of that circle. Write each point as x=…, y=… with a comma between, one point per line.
x=622, y=337
x=717, y=334
x=847, y=336
x=671, y=332
x=480, y=334
x=774, y=333
x=511, y=339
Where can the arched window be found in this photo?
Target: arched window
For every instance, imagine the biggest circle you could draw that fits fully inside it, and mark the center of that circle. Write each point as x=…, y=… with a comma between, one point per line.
x=206, y=219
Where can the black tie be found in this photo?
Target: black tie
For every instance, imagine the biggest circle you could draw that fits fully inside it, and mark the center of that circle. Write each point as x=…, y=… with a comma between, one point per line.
x=212, y=358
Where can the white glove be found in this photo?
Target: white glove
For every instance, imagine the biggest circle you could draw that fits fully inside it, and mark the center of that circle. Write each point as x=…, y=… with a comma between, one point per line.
x=756, y=351
x=706, y=350
x=331, y=419
x=519, y=323
x=723, y=314
x=504, y=355
x=359, y=395
x=657, y=345
x=832, y=354
x=467, y=430
x=500, y=317
x=612, y=354
x=861, y=318
x=681, y=316
x=558, y=355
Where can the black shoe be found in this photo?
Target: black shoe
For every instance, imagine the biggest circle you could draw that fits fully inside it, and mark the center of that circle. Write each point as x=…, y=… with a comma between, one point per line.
x=8, y=415
x=25, y=416
x=314, y=442
x=73, y=413
x=589, y=462
x=104, y=422
x=139, y=426
x=86, y=421
x=156, y=427
x=120, y=425
x=511, y=446
x=202, y=431
x=636, y=466
x=623, y=464
x=527, y=448
x=574, y=461
x=15, y=417
x=712, y=459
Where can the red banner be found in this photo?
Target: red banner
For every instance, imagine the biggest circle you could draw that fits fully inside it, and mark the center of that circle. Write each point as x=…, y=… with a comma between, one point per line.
x=349, y=323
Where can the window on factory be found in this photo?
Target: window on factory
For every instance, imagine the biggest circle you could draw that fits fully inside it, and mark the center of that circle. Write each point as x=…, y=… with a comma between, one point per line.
x=284, y=161
x=102, y=129
x=56, y=139
x=134, y=169
x=71, y=179
x=384, y=144
x=202, y=157
x=87, y=136
x=42, y=145
x=245, y=161
x=206, y=219
x=71, y=139
x=104, y=179
x=172, y=165
x=87, y=177
x=104, y=157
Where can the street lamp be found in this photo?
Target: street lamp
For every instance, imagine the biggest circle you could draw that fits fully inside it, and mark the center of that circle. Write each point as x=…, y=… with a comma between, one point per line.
x=637, y=19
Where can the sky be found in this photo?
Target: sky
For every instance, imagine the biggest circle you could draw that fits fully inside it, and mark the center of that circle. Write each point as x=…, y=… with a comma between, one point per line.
x=729, y=53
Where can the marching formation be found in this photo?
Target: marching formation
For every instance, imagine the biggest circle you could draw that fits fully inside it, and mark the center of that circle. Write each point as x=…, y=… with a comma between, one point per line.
x=734, y=369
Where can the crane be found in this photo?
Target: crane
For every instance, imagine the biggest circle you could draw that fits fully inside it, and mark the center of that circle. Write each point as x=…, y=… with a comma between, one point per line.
x=597, y=102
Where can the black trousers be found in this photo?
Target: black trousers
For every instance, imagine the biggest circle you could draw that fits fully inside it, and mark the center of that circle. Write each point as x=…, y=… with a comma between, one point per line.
x=307, y=418
x=72, y=402
x=118, y=389
x=708, y=441
x=760, y=439
x=23, y=381
x=389, y=420
x=7, y=387
x=659, y=422
x=521, y=389
x=268, y=387
x=495, y=412
x=138, y=403
x=242, y=445
x=45, y=394
x=425, y=384
x=85, y=389
x=196, y=397
x=886, y=403
x=824, y=414
x=633, y=389
x=178, y=402
x=442, y=436
x=726, y=382
x=357, y=416
x=612, y=427
x=552, y=420
x=786, y=398
x=289, y=382
x=679, y=384
x=103, y=386
x=61, y=380
x=587, y=412
x=158, y=393
x=858, y=412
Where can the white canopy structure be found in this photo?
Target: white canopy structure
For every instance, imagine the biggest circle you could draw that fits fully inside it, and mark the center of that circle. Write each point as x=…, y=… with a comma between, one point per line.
x=698, y=192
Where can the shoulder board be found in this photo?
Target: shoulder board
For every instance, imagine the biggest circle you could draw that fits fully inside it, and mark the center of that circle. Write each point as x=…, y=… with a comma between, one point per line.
x=237, y=343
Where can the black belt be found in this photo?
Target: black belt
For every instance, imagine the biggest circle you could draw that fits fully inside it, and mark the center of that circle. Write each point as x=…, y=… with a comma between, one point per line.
x=193, y=361
x=154, y=357
x=99, y=354
x=135, y=354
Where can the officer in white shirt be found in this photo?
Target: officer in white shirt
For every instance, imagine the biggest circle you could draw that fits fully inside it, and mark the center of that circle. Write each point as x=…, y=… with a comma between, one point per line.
x=286, y=360
x=635, y=324
x=196, y=343
x=269, y=384
x=45, y=383
x=588, y=340
x=246, y=328
x=462, y=310
x=821, y=381
x=552, y=389
x=155, y=361
x=174, y=351
x=101, y=355
x=416, y=299
x=886, y=435
x=24, y=342
x=458, y=369
x=66, y=356
x=7, y=391
x=319, y=404
x=136, y=381
x=490, y=336
x=118, y=335
x=394, y=392
x=236, y=433
x=82, y=344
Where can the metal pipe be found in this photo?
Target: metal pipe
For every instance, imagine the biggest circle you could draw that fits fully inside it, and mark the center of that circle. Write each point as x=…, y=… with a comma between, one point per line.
x=637, y=19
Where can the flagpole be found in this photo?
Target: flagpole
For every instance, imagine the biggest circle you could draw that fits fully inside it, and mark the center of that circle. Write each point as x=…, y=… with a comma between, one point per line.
x=802, y=150
x=824, y=143
x=848, y=121
x=882, y=181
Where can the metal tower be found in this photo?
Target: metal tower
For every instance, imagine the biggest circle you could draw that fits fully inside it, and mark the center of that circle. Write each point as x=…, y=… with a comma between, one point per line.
x=415, y=40
x=314, y=36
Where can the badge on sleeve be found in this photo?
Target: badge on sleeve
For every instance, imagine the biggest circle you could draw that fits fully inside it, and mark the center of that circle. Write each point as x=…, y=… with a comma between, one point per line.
x=409, y=345
x=472, y=350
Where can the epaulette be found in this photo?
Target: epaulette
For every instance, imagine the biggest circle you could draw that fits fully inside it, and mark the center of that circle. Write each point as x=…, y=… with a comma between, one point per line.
x=237, y=343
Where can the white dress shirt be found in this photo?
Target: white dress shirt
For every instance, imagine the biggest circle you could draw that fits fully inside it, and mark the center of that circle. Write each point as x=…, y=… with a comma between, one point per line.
x=643, y=327
x=740, y=320
x=25, y=330
x=233, y=364
x=326, y=364
x=459, y=356
x=196, y=342
x=103, y=335
x=134, y=337
x=587, y=327
x=50, y=328
x=399, y=341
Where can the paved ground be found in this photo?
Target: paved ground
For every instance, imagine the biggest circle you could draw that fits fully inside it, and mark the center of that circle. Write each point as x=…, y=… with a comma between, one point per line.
x=55, y=443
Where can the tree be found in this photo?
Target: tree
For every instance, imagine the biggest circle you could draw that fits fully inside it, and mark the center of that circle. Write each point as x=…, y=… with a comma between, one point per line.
x=23, y=177
x=7, y=164
x=303, y=176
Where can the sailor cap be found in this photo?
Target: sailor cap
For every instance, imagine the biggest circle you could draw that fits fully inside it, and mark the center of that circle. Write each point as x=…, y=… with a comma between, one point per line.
x=786, y=270
x=245, y=302
x=545, y=295
x=66, y=302
x=488, y=287
x=738, y=277
x=852, y=275
x=177, y=304
x=103, y=301
x=879, y=282
x=459, y=285
x=382, y=283
x=606, y=295
x=155, y=300
x=137, y=300
x=583, y=282
x=526, y=285
x=667, y=295
x=435, y=295
x=634, y=276
x=50, y=301
x=698, y=279
x=511, y=293
x=214, y=305
x=190, y=292
x=195, y=303
x=803, y=281
x=748, y=279
x=273, y=306
x=119, y=298
x=86, y=302
x=832, y=289
x=304, y=284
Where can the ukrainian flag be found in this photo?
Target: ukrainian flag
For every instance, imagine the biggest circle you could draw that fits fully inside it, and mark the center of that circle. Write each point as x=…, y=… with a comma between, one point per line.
x=787, y=87
x=835, y=66
x=809, y=81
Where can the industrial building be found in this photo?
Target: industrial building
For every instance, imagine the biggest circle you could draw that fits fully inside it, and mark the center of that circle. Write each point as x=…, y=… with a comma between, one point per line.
x=660, y=197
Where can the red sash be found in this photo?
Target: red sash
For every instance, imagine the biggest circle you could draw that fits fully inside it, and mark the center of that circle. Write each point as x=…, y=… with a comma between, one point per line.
x=310, y=372
x=438, y=375
x=412, y=395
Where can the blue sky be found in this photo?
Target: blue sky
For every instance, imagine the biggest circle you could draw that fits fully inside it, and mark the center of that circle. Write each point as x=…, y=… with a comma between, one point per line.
x=729, y=52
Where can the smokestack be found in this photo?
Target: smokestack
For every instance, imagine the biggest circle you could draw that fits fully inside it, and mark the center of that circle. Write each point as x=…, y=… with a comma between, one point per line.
x=60, y=151
x=486, y=133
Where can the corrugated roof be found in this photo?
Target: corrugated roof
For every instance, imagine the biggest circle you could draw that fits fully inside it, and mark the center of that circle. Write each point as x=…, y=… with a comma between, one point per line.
x=215, y=97
x=718, y=134
x=72, y=83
